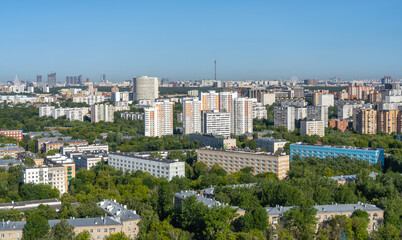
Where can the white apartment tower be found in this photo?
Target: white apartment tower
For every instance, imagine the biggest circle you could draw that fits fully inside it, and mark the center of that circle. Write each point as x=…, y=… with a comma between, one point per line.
x=102, y=112
x=159, y=119
x=146, y=88
x=151, y=122
x=226, y=100
x=285, y=116
x=210, y=101
x=191, y=115
x=50, y=175
x=242, y=116
x=216, y=123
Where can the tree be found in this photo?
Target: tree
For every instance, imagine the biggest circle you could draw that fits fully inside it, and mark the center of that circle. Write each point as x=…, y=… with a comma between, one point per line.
x=360, y=220
x=29, y=161
x=118, y=236
x=387, y=231
x=301, y=221
x=63, y=231
x=334, y=228
x=37, y=227
x=85, y=235
x=31, y=191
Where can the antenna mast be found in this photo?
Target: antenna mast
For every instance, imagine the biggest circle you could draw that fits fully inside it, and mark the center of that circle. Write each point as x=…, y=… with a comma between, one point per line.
x=215, y=67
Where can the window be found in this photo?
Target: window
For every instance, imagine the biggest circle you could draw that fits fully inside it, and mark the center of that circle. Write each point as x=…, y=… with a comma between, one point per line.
x=99, y=230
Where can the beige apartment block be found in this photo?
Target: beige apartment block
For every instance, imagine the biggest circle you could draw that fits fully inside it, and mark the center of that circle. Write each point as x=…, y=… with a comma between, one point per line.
x=237, y=159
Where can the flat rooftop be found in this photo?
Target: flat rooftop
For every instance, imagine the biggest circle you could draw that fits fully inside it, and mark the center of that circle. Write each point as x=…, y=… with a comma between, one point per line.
x=271, y=139
x=144, y=156
x=67, y=141
x=243, y=151
x=334, y=146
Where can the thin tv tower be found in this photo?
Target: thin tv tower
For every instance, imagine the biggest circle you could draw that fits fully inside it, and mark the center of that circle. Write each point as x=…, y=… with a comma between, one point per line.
x=215, y=67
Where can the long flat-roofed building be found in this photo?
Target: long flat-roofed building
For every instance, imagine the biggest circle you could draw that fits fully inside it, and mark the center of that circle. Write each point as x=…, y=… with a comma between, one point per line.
x=237, y=159
x=26, y=205
x=17, y=134
x=53, y=145
x=323, y=151
x=84, y=148
x=159, y=167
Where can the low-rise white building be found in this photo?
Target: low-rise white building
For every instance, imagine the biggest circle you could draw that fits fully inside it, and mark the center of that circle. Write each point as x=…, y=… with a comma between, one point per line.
x=53, y=175
x=158, y=167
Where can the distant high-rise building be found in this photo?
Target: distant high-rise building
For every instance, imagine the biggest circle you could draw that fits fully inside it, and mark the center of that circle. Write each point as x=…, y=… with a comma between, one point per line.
x=216, y=123
x=51, y=79
x=387, y=121
x=209, y=101
x=151, y=122
x=311, y=82
x=159, y=118
x=326, y=100
x=102, y=112
x=146, y=88
x=242, y=116
x=285, y=116
x=103, y=78
x=191, y=115
x=386, y=80
x=365, y=121
x=318, y=113
x=300, y=113
x=268, y=98
x=312, y=128
x=39, y=81
x=74, y=80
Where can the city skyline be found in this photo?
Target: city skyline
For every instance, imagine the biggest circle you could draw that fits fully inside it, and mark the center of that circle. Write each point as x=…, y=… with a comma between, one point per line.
x=179, y=41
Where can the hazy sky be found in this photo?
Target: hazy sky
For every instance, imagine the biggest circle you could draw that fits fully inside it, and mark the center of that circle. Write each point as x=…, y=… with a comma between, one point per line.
x=179, y=39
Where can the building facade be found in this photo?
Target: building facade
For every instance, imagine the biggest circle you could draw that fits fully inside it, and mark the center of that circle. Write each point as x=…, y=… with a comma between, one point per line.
x=235, y=160
x=146, y=88
x=216, y=123
x=213, y=141
x=365, y=121
x=271, y=144
x=285, y=116
x=102, y=112
x=158, y=167
x=312, y=128
x=242, y=116
x=191, y=115
x=17, y=134
x=370, y=155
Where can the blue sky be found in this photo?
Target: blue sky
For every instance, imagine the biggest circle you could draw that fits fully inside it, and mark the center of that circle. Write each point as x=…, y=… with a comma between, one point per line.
x=179, y=39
